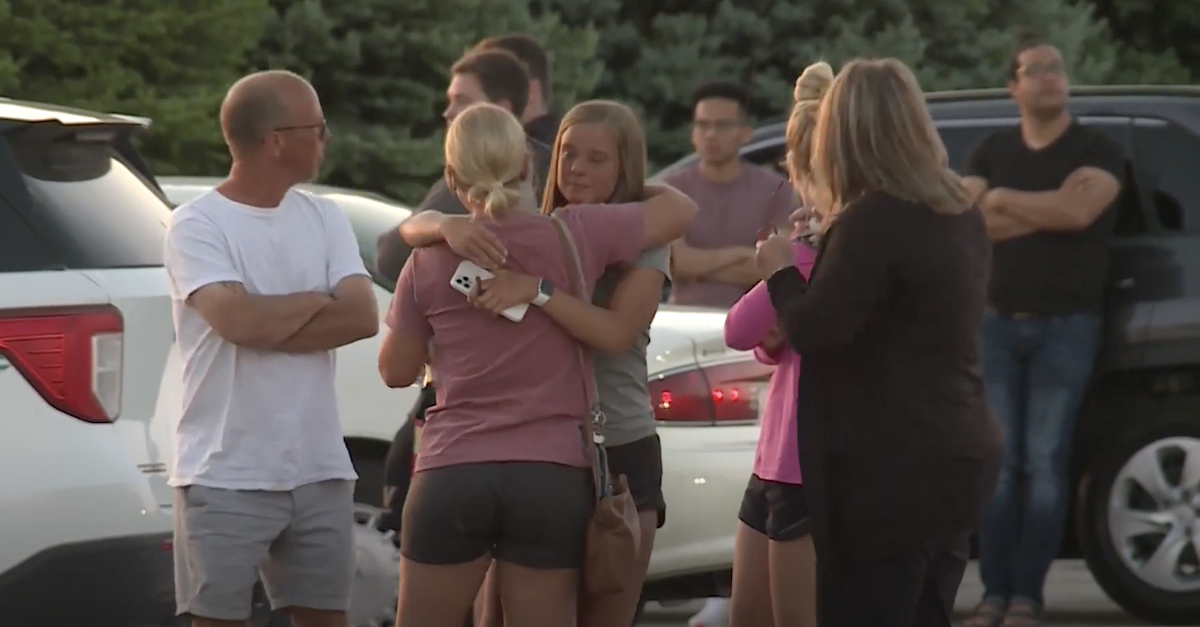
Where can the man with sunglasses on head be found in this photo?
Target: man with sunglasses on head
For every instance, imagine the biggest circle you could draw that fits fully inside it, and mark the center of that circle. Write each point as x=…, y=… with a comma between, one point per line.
x=713, y=264
x=266, y=282
x=1047, y=189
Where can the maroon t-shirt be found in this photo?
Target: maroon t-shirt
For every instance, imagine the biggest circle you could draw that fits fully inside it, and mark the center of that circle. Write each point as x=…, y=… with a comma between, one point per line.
x=731, y=213
x=509, y=391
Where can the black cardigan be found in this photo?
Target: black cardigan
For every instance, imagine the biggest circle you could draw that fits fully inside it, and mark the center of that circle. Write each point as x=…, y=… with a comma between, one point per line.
x=897, y=445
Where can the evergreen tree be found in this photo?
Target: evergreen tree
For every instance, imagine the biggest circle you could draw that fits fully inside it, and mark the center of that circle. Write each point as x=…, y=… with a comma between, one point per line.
x=170, y=61
x=382, y=67
x=656, y=52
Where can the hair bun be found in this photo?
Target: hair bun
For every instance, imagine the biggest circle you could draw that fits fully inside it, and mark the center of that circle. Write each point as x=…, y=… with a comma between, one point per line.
x=813, y=82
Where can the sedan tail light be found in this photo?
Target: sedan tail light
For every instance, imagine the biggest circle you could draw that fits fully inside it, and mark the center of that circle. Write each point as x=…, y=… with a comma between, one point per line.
x=721, y=393
x=72, y=357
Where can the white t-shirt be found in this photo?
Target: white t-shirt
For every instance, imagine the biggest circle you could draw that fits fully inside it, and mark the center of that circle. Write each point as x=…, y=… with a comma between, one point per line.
x=253, y=419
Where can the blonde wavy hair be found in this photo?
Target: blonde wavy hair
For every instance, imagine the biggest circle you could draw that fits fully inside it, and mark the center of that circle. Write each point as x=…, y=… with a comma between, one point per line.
x=874, y=134
x=810, y=89
x=631, y=151
x=487, y=157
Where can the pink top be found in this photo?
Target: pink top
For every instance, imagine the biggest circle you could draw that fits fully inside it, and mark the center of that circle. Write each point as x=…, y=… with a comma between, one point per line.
x=749, y=321
x=509, y=391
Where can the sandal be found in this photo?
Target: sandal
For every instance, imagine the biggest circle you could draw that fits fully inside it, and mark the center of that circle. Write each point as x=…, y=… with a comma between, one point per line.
x=986, y=614
x=1022, y=615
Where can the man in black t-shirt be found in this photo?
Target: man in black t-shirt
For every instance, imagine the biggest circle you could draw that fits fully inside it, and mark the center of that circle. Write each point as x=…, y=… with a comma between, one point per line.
x=1047, y=189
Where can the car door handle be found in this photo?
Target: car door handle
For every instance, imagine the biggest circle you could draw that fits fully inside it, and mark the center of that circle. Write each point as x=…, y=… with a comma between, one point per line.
x=1124, y=284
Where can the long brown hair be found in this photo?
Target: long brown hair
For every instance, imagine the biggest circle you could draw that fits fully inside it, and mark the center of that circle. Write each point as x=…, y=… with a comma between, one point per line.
x=874, y=134
x=631, y=151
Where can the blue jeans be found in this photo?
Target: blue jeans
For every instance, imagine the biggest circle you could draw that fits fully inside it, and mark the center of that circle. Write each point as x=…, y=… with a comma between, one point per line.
x=1036, y=371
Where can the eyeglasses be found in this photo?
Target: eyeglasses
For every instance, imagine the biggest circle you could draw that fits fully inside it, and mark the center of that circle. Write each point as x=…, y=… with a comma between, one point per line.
x=322, y=129
x=1037, y=70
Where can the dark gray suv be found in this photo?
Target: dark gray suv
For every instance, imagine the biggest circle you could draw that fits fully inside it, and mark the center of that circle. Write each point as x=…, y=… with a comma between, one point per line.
x=1137, y=446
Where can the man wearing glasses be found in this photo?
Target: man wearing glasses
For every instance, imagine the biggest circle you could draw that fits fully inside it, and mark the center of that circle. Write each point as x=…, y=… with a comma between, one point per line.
x=266, y=282
x=713, y=264
x=1046, y=188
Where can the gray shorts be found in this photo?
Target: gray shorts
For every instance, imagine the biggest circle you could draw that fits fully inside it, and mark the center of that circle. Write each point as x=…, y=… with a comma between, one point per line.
x=300, y=542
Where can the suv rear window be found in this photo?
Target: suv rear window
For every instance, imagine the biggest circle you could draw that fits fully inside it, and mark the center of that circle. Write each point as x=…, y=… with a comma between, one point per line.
x=68, y=199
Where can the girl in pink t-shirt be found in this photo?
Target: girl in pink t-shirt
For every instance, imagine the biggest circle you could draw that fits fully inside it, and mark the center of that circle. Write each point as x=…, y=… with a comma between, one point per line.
x=774, y=567
x=502, y=473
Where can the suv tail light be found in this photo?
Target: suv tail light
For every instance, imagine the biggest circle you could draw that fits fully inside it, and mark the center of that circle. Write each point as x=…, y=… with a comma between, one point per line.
x=72, y=357
x=721, y=393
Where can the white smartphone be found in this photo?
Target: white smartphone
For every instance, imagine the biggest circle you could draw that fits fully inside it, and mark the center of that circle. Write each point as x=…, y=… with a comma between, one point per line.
x=468, y=274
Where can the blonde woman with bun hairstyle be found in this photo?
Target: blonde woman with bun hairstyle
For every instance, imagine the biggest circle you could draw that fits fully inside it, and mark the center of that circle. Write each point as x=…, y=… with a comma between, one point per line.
x=501, y=473
x=599, y=159
x=774, y=565
x=897, y=444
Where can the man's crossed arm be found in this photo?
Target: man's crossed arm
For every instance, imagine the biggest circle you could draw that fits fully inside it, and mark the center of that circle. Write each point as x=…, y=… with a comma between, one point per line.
x=292, y=323
x=734, y=264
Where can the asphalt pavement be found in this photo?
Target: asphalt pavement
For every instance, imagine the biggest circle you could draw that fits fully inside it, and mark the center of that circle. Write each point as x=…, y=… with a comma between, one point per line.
x=1072, y=599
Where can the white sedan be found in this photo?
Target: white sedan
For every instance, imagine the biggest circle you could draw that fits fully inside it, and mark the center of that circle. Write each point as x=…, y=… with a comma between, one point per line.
x=707, y=399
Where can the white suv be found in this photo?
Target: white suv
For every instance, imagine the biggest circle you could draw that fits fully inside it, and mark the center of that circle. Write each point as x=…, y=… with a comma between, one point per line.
x=85, y=335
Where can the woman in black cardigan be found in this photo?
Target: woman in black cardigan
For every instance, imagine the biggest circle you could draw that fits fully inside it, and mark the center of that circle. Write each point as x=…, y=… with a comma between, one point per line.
x=898, y=447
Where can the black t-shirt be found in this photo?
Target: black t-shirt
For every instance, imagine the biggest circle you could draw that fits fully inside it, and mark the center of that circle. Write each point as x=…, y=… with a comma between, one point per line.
x=1049, y=272
x=544, y=128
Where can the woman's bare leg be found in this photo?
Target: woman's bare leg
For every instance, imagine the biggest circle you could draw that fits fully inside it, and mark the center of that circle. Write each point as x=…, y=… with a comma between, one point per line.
x=535, y=597
x=750, y=601
x=438, y=595
x=487, y=605
x=793, y=568
x=619, y=609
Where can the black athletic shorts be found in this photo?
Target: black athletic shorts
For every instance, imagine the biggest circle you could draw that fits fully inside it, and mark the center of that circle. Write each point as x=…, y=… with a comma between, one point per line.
x=398, y=466
x=530, y=513
x=641, y=463
x=776, y=510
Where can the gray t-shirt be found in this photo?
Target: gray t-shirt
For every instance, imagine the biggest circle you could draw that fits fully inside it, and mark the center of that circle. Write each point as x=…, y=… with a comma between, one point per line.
x=621, y=379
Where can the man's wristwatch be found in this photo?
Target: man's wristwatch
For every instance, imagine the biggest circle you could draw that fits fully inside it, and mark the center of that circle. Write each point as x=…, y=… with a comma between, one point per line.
x=545, y=291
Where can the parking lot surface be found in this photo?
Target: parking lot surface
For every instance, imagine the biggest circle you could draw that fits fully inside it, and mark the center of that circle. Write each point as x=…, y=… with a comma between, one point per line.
x=1072, y=597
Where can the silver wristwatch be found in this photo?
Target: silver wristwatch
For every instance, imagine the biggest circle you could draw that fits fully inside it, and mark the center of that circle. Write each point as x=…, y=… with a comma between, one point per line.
x=545, y=291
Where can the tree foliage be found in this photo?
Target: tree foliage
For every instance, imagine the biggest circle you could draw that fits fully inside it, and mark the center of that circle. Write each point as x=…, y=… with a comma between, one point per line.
x=655, y=54
x=170, y=61
x=381, y=66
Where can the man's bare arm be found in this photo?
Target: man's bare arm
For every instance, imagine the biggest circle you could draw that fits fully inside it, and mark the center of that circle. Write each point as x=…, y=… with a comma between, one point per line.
x=1003, y=227
x=254, y=320
x=1084, y=195
x=351, y=316
x=976, y=186
x=726, y=265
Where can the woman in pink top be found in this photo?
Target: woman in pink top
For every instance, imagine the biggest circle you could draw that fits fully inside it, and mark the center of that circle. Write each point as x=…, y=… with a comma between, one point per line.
x=501, y=473
x=774, y=564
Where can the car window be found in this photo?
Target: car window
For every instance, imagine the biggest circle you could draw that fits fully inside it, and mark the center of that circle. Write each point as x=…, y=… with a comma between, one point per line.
x=370, y=218
x=1167, y=155
x=68, y=200
x=960, y=140
x=768, y=155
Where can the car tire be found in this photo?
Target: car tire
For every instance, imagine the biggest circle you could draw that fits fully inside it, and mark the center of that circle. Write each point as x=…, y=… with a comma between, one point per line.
x=1110, y=486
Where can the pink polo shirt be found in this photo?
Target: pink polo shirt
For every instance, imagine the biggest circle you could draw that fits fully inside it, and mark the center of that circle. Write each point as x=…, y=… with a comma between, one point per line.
x=749, y=321
x=509, y=391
